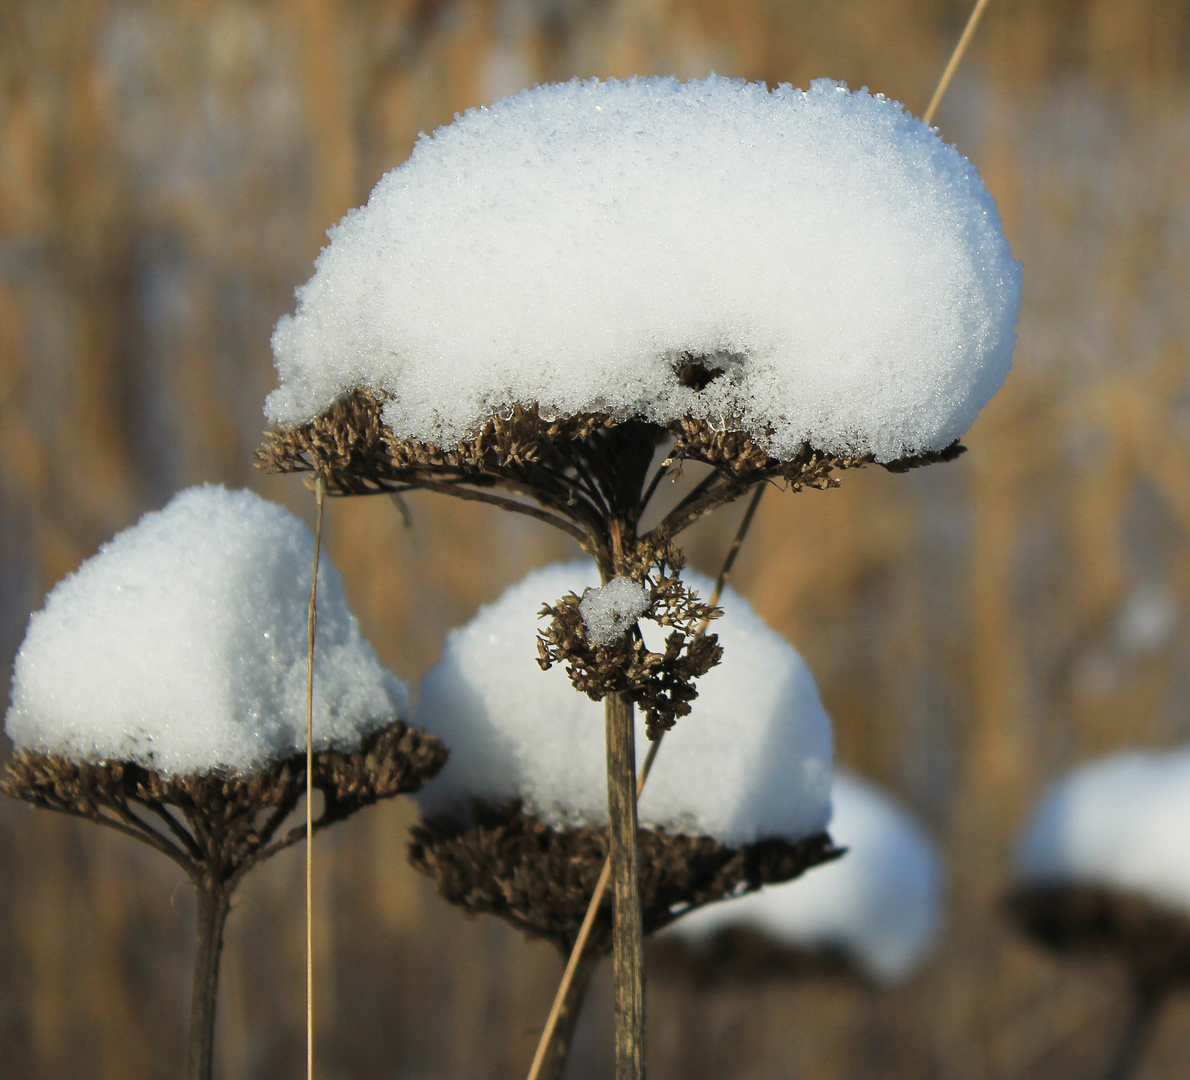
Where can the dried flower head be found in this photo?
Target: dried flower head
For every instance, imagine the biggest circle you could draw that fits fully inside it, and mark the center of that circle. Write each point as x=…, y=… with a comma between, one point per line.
x=502, y=861
x=1148, y=939
x=220, y=824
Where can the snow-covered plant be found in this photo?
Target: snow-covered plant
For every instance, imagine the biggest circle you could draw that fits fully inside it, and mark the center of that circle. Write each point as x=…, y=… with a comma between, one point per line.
x=873, y=914
x=515, y=826
x=772, y=284
x=162, y=690
x=1104, y=870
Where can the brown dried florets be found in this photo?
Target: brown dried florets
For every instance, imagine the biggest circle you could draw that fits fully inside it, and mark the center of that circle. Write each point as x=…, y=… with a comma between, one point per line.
x=352, y=445
x=212, y=823
x=503, y=861
x=661, y=684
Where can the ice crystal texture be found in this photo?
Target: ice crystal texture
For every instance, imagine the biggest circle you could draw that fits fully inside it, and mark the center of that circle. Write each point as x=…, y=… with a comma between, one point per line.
x=611, y=609
x=752, y=760
x=840, y=266
x=182, y=645
x=880, y=905
x=1122, y=821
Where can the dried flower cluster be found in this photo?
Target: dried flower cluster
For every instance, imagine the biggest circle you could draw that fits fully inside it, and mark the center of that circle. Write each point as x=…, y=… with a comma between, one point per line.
x=1150, y=940
x=211, y=823
x=531, y=454
x=505, y=862
x=660, y=683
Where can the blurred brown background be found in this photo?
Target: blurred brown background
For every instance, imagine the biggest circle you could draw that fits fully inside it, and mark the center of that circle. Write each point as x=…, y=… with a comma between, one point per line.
x=166, y=174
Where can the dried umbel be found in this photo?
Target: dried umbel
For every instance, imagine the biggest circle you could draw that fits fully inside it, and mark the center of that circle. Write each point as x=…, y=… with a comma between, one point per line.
x=579, y=472
x=1151, y=941
x=503, y=861
x=661, y=684
x=217, y=826
x=1148, y=940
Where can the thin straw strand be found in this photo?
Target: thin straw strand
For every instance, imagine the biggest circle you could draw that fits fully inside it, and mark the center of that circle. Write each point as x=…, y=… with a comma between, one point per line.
x=311, y=625
x=955, y=59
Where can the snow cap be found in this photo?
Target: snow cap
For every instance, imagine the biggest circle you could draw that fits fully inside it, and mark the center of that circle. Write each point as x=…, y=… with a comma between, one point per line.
x=1122, y=821
x=181, y=645
x=571, y=246
x=752, y=760
x=880, y=904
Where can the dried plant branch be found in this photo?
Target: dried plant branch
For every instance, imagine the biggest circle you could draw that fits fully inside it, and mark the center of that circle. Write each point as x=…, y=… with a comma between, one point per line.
x=589, y=476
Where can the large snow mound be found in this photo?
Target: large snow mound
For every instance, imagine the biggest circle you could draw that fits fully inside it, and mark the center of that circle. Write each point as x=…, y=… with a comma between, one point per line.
x=752, y=760
x=1122, y=821
x=880, y=904
x=182, y=645
x=843, y=265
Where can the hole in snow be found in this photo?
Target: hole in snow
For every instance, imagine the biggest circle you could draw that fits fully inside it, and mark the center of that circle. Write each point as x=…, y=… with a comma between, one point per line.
x=697, y=372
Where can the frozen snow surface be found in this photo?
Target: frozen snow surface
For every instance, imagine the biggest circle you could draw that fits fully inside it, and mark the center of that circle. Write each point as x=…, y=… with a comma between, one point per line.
x=841, y=264
x=611, y=609
x=880, y=904
x=182, y=645
x=752, y=760
x=1122, y=821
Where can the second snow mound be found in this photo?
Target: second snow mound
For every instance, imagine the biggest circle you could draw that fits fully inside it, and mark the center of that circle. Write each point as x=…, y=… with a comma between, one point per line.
x=811, y=267
x=750, y=762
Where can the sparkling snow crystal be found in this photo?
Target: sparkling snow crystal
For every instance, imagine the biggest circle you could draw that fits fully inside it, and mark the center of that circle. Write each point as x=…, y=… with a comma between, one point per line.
x=182, y=645
x=752, y=760
x=841, y=266
x=1123, y=821
x=612, y=608
x=880, y=904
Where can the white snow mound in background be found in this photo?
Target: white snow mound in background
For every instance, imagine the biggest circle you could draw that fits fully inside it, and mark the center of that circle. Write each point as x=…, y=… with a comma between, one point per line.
x=611, y=609
x=567, y=246
x=1122, y=821
x=752, y=760
x=182, y=645
x=880, y=904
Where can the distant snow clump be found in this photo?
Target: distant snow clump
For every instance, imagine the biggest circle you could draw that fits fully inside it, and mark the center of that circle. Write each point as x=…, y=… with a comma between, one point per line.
x=879, y=905
x=753, y=759
x=838, y=268
x=1121, y=822
x=181, y=645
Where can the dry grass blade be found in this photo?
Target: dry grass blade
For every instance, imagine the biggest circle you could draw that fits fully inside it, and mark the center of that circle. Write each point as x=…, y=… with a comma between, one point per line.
x=955, y=59
x=311, y=628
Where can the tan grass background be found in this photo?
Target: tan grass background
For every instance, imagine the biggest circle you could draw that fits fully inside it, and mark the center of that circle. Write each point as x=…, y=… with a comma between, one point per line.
x=166, y=174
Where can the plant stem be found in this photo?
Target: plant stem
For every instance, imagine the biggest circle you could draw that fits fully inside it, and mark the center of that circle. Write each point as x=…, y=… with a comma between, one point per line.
x=212, y=906
x=554, y=1064
x=627, y=932
x=571, y=971
x=1145, y=1004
